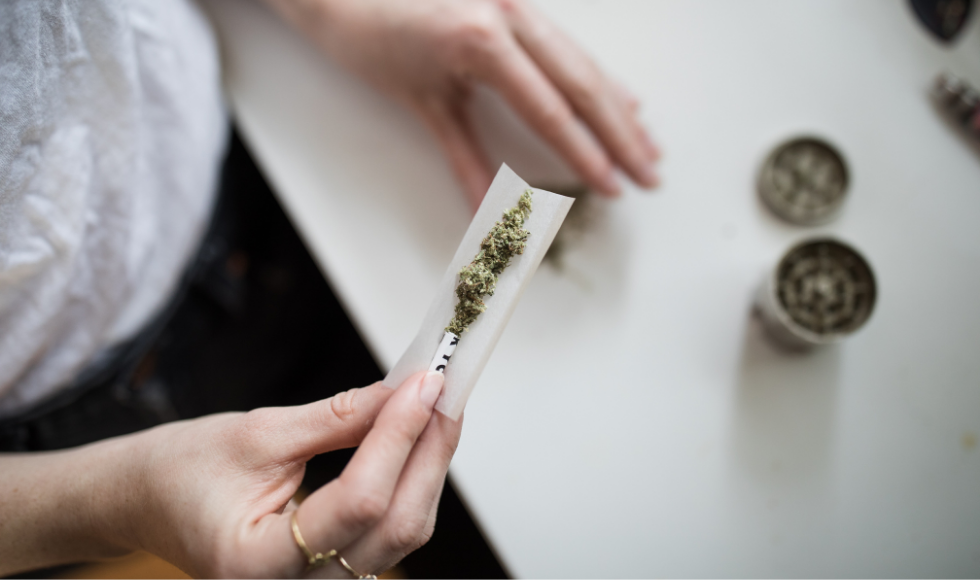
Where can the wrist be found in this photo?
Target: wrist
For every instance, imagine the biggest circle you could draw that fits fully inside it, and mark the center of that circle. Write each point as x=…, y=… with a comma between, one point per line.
x=67, y=506
x=112, y=492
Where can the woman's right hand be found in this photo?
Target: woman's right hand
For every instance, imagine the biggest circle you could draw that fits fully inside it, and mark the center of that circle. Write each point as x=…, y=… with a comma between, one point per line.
x=219, y=487
x=213, y=495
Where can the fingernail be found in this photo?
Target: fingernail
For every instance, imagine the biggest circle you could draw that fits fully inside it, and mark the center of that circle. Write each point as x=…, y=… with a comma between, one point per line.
x=431, y=387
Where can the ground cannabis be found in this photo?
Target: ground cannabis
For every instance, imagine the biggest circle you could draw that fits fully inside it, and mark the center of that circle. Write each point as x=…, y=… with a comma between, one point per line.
x=507, y=238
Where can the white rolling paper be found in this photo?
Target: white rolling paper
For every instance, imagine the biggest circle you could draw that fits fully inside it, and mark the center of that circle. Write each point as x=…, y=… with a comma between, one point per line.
x=548, y=211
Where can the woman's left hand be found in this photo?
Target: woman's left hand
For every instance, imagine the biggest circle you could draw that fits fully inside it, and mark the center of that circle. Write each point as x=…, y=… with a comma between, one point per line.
x=219, y=487
x=428, y=54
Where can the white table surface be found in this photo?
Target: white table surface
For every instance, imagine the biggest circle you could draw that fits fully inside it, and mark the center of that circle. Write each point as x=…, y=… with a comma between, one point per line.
x=633, y=421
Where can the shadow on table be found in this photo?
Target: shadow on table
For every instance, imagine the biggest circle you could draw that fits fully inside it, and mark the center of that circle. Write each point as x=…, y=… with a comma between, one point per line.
x=784, y=412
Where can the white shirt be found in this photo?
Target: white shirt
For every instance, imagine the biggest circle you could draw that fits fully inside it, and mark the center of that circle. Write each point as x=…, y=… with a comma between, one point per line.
x=112, y=130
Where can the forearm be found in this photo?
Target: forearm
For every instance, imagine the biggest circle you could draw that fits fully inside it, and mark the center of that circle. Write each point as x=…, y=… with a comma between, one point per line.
x=68, y=506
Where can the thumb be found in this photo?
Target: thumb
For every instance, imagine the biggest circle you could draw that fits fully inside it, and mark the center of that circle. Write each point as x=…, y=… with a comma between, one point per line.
x=339, y=422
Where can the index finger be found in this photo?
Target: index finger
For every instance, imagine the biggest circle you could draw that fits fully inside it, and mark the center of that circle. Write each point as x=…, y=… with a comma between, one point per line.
x=342, y=510
x=509, y=70
x=597, y=100
x=338, y=422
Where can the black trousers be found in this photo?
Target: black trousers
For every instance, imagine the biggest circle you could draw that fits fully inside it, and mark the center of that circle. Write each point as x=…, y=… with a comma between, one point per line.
x=253, y=324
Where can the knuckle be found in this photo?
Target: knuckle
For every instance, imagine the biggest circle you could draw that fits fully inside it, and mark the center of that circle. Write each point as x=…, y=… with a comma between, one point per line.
x=509, y=7
x=427, y=531
x=555, y=115
x=407, y=430
x=342, y=405
x=600, y=166
x=407, y=535
x=363, y=509
x=584, y=86
x=477, y=33
x=406, y=427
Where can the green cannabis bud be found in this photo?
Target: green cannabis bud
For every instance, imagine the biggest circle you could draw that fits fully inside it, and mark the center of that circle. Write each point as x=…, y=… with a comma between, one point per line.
x=507, y=238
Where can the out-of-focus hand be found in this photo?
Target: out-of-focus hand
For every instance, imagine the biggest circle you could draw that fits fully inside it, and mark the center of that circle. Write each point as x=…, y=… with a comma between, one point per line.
x=216, y=491
x=429, y=53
